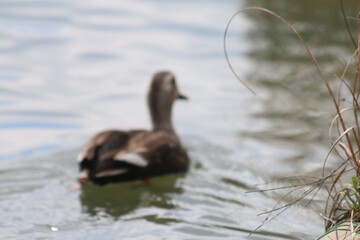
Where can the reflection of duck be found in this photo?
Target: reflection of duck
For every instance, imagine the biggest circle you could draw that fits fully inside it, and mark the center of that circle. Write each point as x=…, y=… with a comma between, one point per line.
x=110, y=199
x=116, y=156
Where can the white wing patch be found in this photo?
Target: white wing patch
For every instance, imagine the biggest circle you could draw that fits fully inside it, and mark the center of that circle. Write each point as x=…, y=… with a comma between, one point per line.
x=81, y=156
x=110, y=173
x=133, y=158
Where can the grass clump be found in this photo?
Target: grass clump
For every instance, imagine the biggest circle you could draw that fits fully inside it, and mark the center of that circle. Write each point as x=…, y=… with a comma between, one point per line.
x=343, y=203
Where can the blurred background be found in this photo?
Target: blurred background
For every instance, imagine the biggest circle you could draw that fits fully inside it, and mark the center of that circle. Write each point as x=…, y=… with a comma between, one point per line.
x=69, y=69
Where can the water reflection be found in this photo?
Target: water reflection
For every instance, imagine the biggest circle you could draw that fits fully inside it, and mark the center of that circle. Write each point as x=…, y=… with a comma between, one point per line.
x=117, y=200
x=282, y=61
x=294, y=105
x=294, y=100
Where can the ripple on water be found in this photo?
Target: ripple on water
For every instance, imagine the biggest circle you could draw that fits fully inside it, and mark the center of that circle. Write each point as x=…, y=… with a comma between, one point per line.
x=23, y=179
x=70, y=68
x=202, y=204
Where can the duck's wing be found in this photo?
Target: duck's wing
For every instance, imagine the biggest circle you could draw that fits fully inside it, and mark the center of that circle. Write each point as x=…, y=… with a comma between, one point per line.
x=96, y=160
x=101, y=143
x=152, y=153
x=113, y=156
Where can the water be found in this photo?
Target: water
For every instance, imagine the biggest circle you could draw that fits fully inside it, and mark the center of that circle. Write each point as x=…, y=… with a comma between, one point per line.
x=69, y=69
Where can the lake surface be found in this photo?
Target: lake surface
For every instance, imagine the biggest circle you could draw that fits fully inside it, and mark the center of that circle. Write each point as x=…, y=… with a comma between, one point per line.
x=69, y=69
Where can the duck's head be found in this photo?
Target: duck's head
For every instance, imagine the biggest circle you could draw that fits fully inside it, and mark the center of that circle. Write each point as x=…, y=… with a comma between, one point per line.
x=162, y=93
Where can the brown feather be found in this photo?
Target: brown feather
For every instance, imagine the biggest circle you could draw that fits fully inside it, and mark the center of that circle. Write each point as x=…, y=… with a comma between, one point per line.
x=115, y=156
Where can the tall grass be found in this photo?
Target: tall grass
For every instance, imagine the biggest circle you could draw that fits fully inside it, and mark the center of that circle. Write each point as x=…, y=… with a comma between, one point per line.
x=343, y=202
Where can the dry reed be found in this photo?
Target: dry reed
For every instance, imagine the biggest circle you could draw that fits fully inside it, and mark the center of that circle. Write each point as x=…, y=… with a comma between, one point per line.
x=343, y=202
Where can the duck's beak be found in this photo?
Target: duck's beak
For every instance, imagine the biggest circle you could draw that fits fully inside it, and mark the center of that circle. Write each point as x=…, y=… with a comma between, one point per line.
x=83, y=176
x=183, y=97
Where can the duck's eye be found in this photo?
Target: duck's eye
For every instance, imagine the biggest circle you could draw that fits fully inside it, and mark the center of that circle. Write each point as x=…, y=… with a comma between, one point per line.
x=173, y=81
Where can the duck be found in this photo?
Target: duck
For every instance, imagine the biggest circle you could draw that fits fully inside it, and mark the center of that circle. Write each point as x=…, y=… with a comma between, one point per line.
x=115, y=156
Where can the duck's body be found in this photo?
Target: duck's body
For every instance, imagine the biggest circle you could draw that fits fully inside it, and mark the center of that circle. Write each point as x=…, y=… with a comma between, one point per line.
x=117, y=156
